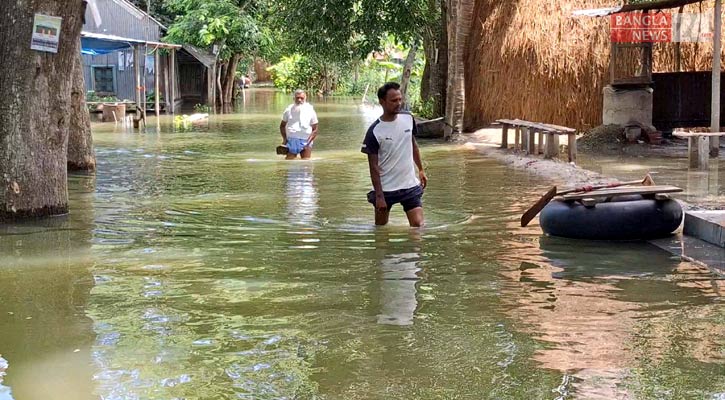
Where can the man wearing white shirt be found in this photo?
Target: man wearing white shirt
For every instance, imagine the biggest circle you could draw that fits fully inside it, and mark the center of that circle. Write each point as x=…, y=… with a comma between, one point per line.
x=299, y=127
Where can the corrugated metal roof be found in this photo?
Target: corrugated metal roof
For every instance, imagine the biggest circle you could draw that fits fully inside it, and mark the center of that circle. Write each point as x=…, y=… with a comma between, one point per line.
x=204, y=56
x=119, y=39
x=652, y=5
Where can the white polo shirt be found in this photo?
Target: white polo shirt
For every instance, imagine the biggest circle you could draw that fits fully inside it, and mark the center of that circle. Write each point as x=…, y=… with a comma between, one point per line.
x=299, y=119
x=393, y=143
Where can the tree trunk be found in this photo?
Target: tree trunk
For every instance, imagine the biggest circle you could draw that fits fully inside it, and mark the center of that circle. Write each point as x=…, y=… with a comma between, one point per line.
x=229, y=78
x=80, y=140
x=459, y=26
x=218, y=79
x=36, y=92
x=407, y=69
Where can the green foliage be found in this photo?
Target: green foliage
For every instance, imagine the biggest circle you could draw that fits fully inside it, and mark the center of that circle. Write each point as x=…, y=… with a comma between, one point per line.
x=150, y=97
x=425, y=109
x=297, y=71
x=227, y=24
x=341, y=31
x=202, y=108
x=92, y=96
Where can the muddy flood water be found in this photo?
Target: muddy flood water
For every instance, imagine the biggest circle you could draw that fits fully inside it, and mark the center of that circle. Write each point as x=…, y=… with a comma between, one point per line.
x=197, y=264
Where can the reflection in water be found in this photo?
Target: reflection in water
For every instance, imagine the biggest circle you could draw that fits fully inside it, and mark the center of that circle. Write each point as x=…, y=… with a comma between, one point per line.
x=301, y=193
x=399, y=277
x=45, y=284
x=607, y=315
x=397, y=289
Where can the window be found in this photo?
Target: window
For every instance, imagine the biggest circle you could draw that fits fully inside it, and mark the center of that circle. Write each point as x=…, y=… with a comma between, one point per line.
x=103, y=80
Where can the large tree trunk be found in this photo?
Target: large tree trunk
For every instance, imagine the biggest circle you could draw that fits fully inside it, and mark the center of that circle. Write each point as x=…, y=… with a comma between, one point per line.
x=35, y=88
x=460, y=13
x=229, y=78
x=407, y=69
x=80, y=140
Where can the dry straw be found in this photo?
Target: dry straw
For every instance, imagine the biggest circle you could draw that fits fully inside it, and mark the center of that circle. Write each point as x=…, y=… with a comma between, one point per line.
x=530, y=59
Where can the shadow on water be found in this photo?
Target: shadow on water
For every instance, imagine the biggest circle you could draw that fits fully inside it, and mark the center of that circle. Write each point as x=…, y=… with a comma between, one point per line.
x=45, y=285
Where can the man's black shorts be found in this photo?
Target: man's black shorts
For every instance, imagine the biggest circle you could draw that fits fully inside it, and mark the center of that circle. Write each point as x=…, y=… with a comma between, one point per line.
x=408, y=198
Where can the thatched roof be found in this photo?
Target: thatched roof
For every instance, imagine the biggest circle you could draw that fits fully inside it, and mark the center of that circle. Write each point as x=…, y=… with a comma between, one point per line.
x=532, y=60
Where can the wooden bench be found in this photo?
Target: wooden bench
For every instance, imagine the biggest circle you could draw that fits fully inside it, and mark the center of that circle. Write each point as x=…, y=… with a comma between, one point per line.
x=698, y=146
x=526, y=136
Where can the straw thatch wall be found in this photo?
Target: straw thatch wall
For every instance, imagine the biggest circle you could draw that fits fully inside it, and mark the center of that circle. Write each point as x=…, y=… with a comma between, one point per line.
x=529, y=59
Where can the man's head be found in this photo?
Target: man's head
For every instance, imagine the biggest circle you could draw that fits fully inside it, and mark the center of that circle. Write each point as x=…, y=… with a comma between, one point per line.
x=390, y=97
x=300, y=96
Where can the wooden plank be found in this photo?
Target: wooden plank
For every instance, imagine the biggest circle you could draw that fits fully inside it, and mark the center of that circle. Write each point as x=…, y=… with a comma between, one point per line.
x=571, y=147
x=552, y=146
x=530, y=141
x=505, y=136
x=683, y=134
x=692, y=157
x=563, y=129
x=589, y=201
x=703, y=152
x=517, y=139
x=620, y=191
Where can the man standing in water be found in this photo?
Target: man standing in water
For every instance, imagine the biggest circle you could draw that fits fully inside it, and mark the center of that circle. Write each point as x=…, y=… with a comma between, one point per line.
x=299, y=127
x=393, y=156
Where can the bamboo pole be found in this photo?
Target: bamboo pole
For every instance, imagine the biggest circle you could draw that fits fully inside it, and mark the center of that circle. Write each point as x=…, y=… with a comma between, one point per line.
x=172, y=75
x=166, y=84
x=715, y=99
x=137, y=75
x=156, y=82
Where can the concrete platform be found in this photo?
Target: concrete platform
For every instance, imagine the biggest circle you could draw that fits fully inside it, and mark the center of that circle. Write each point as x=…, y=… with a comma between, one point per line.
x=694, y=250
x=706, y=225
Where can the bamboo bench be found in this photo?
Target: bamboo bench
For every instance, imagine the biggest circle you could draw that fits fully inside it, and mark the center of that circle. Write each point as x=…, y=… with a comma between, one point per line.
x=698, y=146
x=526, y=134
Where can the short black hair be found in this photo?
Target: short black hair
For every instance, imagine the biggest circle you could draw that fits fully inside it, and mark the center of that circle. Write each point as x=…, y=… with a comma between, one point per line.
x=383, y=91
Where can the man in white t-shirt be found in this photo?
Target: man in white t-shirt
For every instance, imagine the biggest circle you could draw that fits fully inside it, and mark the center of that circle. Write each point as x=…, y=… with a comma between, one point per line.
x=393, y=156
x=299, y=127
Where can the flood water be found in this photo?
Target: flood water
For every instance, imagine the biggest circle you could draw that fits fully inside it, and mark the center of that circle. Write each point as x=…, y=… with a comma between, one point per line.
x=197, y=264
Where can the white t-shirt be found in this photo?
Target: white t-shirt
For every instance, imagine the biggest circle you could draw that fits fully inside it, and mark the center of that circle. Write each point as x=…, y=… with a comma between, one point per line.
x=393, y=143
x=299, y=119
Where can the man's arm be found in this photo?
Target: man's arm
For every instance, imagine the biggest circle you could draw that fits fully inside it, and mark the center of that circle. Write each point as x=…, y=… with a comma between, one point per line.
x=313, y=135
x=283, y=131
x=419, y=164
x=377, y=184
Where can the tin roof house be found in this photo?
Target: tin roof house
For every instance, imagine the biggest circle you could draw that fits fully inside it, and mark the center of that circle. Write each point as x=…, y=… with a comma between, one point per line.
x=124, y=56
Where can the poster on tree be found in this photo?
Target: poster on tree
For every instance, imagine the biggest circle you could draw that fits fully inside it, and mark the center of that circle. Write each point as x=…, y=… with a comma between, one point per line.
x=46, y=32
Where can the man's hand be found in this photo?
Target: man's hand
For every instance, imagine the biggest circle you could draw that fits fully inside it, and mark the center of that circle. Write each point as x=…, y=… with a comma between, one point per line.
x=380, y=203
x=423, y=179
